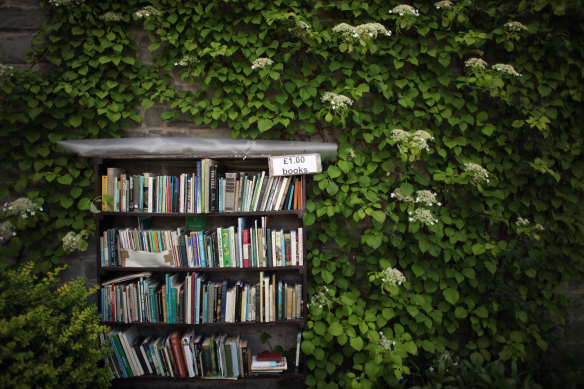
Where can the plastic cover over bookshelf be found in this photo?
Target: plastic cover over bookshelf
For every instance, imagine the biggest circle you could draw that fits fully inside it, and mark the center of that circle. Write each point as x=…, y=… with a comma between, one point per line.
x=200, y=261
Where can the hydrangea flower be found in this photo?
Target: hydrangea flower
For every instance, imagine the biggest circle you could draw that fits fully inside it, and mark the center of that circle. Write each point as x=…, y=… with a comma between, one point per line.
x=367, y=30
x=418, y=139
x=337, y=101
x=426, y=197
x=22, y=207
x=521, y=222
x=303, y=25
x=187, y=60
x=399, y=196
x=515, y=26
x=422, y=215
x=73, y=242
x=146, y=12
x=5, y=70
x=443, y=4
x=63, y=3
x=6, y=231
x=111, y=17
x=475, y=64
x=261, y=63
x=404, y=9
x=392, y=277
x=478, y=173
x=504, y=68
x=385, y=343
x=320, y=298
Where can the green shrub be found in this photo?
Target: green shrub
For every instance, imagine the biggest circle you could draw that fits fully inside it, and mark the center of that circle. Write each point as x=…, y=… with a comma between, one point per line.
x=49, y=333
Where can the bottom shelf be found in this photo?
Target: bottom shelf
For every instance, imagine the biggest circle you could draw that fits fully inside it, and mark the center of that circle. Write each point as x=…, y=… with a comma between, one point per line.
x=289, y=380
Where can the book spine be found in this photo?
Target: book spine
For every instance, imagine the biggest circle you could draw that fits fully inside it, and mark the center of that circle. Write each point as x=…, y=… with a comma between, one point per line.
x=178, y=355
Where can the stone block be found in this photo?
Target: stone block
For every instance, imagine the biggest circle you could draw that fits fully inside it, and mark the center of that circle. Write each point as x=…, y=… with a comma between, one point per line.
x=13, y=47
x=21, y=19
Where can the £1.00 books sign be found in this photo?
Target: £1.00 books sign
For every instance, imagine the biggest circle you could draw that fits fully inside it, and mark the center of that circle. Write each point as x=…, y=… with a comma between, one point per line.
x=293, y=165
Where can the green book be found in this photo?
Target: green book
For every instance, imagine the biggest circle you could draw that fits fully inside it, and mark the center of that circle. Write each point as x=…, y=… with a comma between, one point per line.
x=228, y=360
x=225, y=242
x=121, y=353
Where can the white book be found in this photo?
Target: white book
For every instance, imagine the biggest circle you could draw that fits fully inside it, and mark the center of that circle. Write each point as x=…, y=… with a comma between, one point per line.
x=282, y=193
x=293, y=249
x=300, y=238
x=234, y=247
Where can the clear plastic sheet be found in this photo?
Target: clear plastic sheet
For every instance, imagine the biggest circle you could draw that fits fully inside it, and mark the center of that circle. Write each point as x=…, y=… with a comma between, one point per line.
x=197, y=147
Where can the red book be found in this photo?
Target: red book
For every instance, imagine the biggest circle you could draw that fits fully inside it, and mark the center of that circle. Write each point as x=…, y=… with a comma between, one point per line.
x=175, y=342
x=276, y=357
x=246, y=247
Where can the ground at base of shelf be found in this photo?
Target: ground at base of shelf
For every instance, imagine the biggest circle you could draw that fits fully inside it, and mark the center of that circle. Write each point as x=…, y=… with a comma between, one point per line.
x=267, y=382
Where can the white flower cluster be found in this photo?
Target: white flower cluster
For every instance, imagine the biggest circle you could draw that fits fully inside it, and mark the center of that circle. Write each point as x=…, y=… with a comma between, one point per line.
x=392, y=276
x=187, y=60
x=146, y=12
x=504, y=68
x=111, y=17
x=336, y=101
x=385, y=343
x=303, y=25
x=478, y=172
x=63, y=3
x=443, y=4
x=367, y=30
x=404, y=9
x=6, y=231
x=426, y=197
x=521, y=222
x=320, y=298
x=72, y=242
x=399, y=196
x=422, y=215
x=515, y=26
x=261, y=63
x=475, y=63
x=5, y=70
x=22, y=207
x=418, y=139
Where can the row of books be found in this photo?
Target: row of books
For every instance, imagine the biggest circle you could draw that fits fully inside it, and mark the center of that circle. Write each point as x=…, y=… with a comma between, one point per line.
x=210, y=189
x=194, y=299
x=249, y=244
x=178, y=354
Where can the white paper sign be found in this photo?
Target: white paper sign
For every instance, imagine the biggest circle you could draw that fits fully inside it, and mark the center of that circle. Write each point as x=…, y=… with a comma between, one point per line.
x=293, y=165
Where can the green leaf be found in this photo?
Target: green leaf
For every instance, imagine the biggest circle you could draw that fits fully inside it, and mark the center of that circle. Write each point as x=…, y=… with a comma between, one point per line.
x=319, y=328
x=147, y=103
x=307, y=347
x=265, y=124
x=406, y=188
x=335, y=328
x=356, y=342
x=451, y=295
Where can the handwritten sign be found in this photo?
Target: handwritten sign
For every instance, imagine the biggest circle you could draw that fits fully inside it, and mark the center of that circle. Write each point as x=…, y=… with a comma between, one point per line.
x=293, y=165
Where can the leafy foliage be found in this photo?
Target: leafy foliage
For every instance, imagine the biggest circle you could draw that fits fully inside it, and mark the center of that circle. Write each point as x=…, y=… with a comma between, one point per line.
x=49, y=332
x=484, y=264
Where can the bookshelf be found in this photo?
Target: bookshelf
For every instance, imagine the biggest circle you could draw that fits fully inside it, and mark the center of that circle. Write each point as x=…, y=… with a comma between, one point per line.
x=164, y=278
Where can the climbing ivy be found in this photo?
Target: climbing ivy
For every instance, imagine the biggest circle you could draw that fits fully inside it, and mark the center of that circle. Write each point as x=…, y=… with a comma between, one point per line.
x=449, y=221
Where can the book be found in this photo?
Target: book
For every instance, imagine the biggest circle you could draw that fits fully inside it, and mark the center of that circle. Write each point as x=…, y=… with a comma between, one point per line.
x=230, y=192
x=175, y=341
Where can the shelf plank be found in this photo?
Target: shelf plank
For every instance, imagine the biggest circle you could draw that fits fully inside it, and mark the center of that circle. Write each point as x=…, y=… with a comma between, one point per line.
x=295, y=322
x=120, y=269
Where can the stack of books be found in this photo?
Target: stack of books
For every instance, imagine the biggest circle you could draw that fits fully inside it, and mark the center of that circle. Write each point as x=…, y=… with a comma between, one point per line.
x=268, y=364
x=178, y=354
x=250, y=243
x=211, y=188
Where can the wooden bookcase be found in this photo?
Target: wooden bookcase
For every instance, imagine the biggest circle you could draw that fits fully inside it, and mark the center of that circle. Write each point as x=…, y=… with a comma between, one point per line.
x=279, y=332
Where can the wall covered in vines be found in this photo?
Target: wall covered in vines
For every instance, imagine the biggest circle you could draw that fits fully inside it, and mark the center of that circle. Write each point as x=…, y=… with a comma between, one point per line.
x=443, y=234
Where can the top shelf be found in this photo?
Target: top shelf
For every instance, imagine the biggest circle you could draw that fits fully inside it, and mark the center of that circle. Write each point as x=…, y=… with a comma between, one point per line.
x=298, y=213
